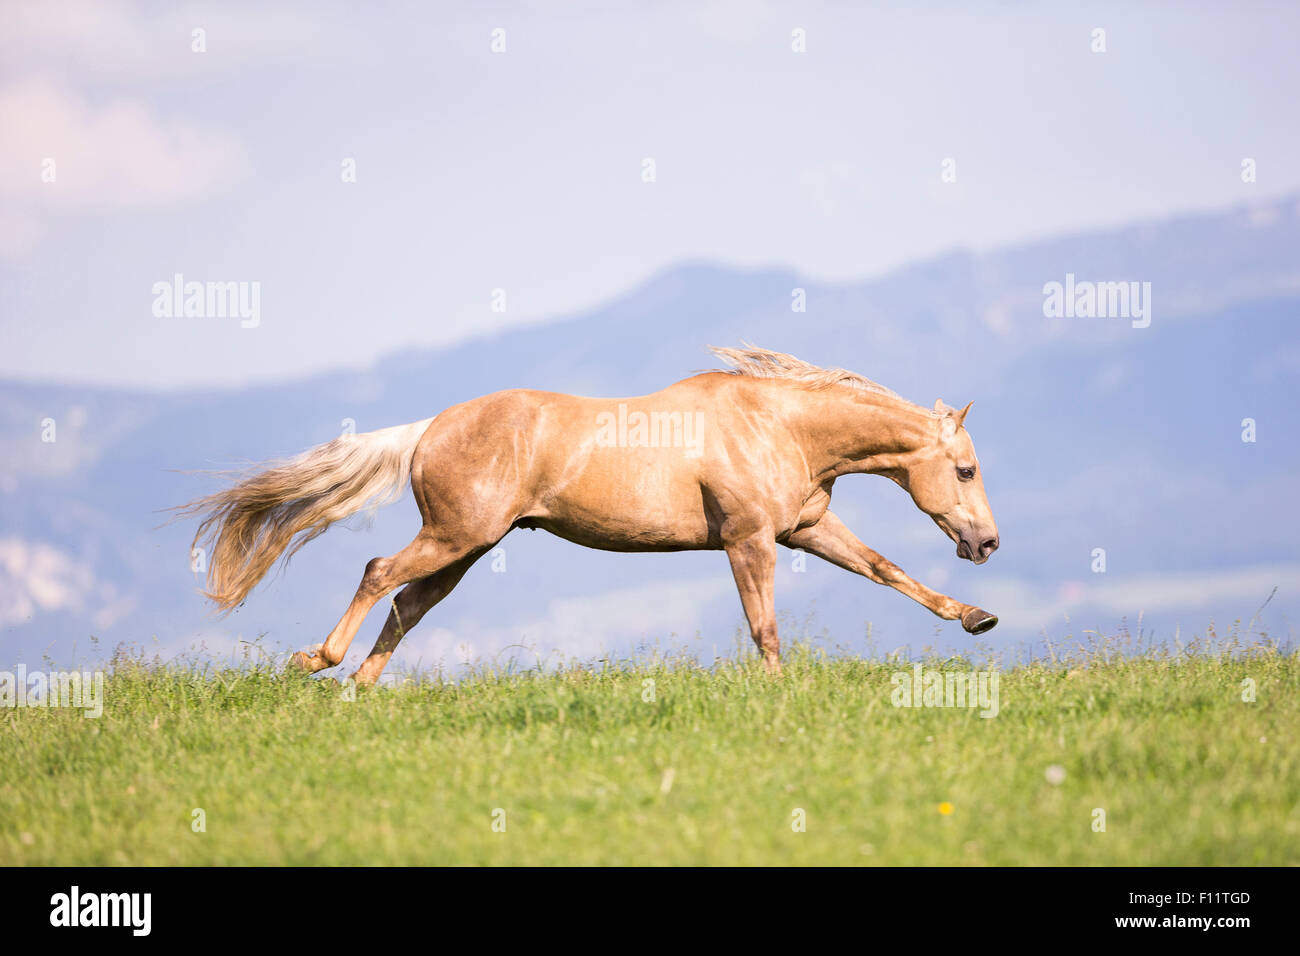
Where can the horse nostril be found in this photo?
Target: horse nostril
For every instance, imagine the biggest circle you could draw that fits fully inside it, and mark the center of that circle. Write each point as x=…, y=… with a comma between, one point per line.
x=989, y=546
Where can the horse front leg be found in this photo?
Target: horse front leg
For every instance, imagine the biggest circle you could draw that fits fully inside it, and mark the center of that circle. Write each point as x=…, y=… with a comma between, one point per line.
x=753, y=564
x=830, y=539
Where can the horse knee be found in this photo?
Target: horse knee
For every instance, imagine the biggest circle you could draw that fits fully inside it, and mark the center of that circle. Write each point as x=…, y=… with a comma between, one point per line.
x=889, y=573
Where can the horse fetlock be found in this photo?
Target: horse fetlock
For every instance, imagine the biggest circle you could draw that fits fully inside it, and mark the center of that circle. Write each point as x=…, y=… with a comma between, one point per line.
x=326, y=657
x=312, y=660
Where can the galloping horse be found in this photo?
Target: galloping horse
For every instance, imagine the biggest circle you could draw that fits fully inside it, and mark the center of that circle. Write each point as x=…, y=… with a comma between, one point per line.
x=739, y=460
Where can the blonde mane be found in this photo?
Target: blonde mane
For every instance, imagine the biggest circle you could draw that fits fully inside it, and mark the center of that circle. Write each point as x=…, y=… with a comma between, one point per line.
x=764, y=363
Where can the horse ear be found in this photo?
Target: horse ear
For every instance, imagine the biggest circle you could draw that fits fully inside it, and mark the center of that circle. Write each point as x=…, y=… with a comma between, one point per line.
x=940, y=407
x=961, y=415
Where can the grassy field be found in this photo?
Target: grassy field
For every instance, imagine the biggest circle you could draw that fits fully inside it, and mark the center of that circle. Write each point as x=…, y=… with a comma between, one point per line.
x=720, y=767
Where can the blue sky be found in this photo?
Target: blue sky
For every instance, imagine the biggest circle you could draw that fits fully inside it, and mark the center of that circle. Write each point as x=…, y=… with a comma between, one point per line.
x=522, y=170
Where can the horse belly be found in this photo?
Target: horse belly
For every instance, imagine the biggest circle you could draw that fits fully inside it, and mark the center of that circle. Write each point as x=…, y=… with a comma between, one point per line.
x=629, y=501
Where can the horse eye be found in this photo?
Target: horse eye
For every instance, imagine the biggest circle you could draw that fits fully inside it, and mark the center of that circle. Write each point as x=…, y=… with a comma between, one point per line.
x=966, y=474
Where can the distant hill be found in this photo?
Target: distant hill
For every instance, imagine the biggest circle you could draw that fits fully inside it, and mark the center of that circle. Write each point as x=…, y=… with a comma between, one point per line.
x=1092, y=434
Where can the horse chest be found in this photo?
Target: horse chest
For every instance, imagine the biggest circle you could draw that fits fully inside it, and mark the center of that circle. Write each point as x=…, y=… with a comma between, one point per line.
x=813, y=508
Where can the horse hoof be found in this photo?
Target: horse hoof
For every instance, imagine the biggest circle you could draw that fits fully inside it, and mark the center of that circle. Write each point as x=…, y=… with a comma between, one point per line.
x=977, y=621
x=306, y=660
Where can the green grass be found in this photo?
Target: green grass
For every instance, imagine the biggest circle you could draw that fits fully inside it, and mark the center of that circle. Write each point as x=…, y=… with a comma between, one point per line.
x=288, y=771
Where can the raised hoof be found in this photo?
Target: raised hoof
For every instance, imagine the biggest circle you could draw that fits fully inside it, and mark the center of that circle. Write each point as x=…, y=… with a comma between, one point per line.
x=977, y=621
x=307, y=661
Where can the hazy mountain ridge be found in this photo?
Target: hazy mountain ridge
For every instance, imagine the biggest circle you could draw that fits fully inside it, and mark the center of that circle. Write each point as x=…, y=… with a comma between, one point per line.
x=1148, y=433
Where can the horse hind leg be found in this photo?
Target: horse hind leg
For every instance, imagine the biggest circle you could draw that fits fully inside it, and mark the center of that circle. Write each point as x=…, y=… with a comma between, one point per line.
x=425, y=556
x=411, y=604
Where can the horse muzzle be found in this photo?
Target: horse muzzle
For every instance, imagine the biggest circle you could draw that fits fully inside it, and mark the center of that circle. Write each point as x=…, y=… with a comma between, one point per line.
x=976, y=555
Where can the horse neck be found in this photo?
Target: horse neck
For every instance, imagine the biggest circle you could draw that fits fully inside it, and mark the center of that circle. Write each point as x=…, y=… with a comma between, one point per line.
x=861, y=432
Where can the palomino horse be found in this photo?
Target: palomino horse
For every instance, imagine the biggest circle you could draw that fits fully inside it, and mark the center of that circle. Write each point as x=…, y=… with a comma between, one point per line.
x=738, y=461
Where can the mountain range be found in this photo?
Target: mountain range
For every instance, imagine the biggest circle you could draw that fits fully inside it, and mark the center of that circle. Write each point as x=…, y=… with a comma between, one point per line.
x=1099, y=441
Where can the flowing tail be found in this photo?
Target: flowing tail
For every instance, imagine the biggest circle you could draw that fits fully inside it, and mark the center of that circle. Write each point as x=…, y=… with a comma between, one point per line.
x=279, y=509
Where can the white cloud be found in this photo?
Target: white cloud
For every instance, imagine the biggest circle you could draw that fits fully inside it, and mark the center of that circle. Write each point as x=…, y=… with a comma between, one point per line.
x=121, y=153
x=36, y=577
